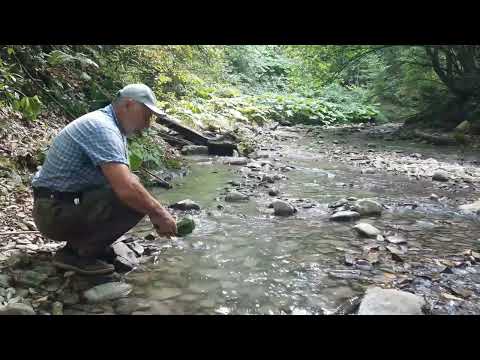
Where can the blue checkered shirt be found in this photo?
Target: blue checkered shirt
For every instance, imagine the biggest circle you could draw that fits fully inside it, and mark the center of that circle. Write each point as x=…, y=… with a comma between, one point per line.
x=74, y=158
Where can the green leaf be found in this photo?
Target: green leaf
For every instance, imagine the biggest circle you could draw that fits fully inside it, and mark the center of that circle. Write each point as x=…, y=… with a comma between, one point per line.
x=30, y=107
x=135, y=161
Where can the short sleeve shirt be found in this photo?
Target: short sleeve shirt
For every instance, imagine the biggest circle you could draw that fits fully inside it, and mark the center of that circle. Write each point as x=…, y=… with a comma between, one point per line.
x=74, y=158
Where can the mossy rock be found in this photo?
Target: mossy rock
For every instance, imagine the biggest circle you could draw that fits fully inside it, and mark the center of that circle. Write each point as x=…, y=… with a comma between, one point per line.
x=185, y=226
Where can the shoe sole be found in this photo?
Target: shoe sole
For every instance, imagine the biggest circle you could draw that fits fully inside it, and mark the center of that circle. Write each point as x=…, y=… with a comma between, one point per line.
x=81, y=271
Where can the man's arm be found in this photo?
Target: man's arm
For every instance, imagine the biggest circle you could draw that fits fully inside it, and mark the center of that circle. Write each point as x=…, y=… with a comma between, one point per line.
x=131, y=192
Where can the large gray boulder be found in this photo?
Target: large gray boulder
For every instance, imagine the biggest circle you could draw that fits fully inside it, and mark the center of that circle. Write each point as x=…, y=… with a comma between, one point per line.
x=367, y=207
x=283, y=208
x=378, y=301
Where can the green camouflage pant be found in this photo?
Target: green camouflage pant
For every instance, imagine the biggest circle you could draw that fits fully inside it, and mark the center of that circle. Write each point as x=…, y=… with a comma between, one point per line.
x=89, y=227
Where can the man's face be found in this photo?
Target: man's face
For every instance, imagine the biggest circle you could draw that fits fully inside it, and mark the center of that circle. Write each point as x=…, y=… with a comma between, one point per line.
x=139, y=117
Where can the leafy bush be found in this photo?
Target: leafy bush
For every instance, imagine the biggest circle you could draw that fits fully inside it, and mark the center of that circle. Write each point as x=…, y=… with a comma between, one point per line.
x=30, y=107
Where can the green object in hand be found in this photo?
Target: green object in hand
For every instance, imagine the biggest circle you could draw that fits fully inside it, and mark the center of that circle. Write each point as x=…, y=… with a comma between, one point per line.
x=185, y=226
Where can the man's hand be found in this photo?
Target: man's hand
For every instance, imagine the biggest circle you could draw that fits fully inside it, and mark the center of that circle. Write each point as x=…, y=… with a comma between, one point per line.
x=164, y=223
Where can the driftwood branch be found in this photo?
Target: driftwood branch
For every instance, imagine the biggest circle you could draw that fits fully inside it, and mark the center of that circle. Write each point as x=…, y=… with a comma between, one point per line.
x=161, y=182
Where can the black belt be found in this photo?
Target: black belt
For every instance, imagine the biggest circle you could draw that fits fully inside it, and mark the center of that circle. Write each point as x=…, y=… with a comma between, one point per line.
x=41, y=192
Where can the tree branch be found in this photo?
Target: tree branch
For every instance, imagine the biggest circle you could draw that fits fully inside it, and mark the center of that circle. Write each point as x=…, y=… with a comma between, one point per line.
x=356, y=59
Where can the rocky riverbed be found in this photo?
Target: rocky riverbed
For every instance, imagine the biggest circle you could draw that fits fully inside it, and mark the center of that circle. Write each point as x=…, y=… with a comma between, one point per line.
x=315, y=221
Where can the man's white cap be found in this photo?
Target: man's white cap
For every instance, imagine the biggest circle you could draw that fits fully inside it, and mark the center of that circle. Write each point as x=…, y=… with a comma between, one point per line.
x=143, y=94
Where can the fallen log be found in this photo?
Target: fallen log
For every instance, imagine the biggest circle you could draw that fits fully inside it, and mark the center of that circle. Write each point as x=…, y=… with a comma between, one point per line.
x=436, y=139
x=173, y=140
x=189, y=134
x=215, y=146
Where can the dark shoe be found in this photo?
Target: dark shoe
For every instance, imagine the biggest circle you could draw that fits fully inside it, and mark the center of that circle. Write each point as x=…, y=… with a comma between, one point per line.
x=66, y=259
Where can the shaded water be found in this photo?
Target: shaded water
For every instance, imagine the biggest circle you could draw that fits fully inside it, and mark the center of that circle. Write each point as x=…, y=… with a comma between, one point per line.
x=243, y=260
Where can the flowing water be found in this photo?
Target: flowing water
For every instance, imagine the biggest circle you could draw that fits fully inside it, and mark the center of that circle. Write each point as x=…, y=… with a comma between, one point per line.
x=241, y=259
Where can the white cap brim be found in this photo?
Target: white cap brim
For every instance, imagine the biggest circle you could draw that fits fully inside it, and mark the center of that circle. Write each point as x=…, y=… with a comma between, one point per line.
x=155, y=109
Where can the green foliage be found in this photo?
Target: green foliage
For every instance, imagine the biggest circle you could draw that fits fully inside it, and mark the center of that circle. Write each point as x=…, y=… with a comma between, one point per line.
x=30, y=107
x=333, y=105
x=143, y=151
x=257, y=68
x=224, y=87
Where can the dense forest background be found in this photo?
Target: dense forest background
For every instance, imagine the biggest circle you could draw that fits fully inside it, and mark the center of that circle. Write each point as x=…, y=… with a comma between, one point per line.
x=230, y=87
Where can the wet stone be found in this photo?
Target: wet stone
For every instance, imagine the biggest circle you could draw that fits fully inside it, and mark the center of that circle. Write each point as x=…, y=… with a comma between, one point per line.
x=366, y=207
x=349, y=259
x=440, y=176
x=396, y=239
x=379, y=301
x=338, y=203
x=283, y=208
x=363, y=265
x=137, y=248
x=273, y=192
x=185, y=205
x=107, y=291
x=235, y=196
x=125, y=258
x=345, y=216
x=367, y=230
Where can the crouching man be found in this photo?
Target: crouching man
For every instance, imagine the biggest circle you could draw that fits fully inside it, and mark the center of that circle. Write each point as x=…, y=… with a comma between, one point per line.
x=85, y=194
